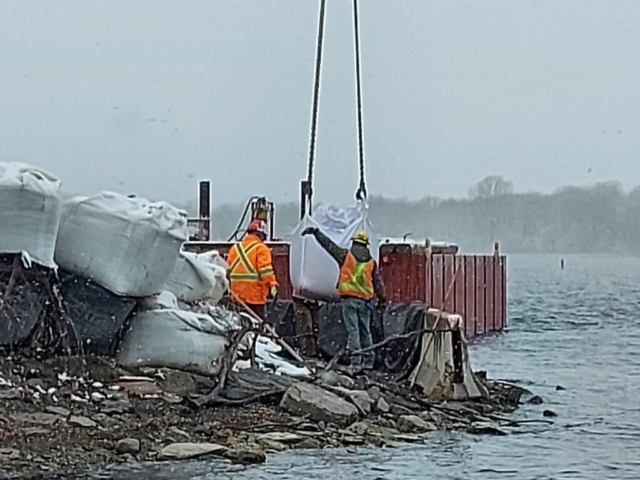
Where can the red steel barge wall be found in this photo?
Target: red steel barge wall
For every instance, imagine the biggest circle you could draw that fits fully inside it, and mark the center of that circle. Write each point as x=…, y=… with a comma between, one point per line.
x=477, y=284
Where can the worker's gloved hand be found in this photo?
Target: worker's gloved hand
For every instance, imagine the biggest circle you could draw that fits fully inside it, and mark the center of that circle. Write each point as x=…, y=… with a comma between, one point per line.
x=309, y=231
x=273, y=291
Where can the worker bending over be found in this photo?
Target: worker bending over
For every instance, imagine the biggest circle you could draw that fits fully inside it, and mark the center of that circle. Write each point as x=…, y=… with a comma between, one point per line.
x=359, y=281
x=250, y=273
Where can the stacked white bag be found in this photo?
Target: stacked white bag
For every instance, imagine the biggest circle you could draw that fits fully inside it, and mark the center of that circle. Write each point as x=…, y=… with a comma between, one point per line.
x=162, y=335
x=198, y=277
x=30, y=205
x=314, y=273
x=127, y=245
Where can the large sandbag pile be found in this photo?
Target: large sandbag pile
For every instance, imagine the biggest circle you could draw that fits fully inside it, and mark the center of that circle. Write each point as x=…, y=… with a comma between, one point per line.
x=314, y=274
x=29, y=212
x=198, y=277
x=127, y=245
x=161, y=335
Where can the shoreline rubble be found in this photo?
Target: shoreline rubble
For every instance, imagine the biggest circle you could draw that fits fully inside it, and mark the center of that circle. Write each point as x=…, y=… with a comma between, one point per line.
x=68, y=414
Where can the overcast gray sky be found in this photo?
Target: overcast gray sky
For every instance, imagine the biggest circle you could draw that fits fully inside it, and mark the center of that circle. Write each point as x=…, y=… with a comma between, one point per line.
x=150, y=96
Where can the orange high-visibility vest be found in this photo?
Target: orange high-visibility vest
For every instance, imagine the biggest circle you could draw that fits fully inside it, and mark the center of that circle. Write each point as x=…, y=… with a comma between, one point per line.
x=250, y=271
x=356, y=278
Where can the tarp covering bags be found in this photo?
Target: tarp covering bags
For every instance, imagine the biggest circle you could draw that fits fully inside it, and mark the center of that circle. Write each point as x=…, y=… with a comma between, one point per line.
x=314, y=274
x=165, y=336
x=198, y=277
x=127, y=245
x=29, y=212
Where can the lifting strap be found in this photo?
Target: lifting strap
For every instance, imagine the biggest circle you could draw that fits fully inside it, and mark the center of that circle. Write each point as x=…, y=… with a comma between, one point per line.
x=316, y=97
x=361, y=193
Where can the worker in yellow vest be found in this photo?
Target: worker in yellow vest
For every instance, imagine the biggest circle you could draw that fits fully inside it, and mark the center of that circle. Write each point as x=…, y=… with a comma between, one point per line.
x=250, y=273
x=358, y=283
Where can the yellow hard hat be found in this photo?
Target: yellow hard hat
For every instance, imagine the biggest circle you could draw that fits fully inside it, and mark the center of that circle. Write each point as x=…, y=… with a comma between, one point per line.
x=361, y=237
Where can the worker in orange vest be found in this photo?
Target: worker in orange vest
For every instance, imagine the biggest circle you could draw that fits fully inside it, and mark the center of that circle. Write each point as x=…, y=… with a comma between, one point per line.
x=358, y=283
x=250, y=273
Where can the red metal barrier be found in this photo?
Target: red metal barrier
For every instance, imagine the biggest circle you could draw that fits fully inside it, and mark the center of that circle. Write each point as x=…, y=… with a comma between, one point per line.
x=403, y=270
x=470, y=298
x=460, y=289
x=437, y=281
x=411, y=274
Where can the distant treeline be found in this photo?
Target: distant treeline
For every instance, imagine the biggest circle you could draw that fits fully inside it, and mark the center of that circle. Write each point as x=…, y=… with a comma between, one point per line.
x=598, y=219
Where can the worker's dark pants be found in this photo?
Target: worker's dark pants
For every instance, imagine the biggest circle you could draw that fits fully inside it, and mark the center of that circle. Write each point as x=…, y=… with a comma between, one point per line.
x=305, y=326
x=356, y=316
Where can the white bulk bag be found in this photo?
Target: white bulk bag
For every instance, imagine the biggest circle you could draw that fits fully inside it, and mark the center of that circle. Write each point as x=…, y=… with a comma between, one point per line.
x=172, y=339
x=198, y=277
x=127, y=245
x=164, y=336
x=29, y=212
x=314, y=273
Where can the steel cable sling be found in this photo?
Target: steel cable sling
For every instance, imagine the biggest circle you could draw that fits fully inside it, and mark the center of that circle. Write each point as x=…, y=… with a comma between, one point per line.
x=361, y=193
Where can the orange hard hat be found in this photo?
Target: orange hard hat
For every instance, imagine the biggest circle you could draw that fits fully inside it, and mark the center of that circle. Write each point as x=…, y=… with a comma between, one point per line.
x=258, y=226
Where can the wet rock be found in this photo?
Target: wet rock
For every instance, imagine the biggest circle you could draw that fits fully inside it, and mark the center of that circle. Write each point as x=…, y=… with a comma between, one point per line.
x=37, y=418
x=115, y=407
x=549, y=413
x=308, y=444
x=319, y=404
x=128, y=445
x=83, y=422
x=140, y=387
x=281, y=437
x=353, y=440
x=63, y=412
x=536, y=400
x=374, y=393
x=33, y=431
x=413, y=423
x=182, y=433
x=336, y=380
x=400, y=410
x=183, y=451
x=178, y=383
x=270, y=445
x=409, y=438
x=559, y=388
x=97, y=397
x=35, y=384
x=12, y=394
x=7, y=454
x=359, y=398
x=482, y=429
x=359, y=428
x=246, y=456
x=382, y=406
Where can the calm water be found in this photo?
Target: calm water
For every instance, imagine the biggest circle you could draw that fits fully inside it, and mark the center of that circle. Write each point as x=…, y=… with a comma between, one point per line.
x=578, y=328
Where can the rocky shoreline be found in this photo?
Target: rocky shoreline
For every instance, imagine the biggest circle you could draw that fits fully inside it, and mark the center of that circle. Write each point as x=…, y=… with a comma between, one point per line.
x=69, y=414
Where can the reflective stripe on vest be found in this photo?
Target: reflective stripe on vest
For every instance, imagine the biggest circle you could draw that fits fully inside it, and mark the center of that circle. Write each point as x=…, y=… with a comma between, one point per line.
x=356, y=278
x=251, y=273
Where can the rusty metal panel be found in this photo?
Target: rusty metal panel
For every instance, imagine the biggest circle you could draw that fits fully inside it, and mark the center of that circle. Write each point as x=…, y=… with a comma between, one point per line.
x=460, y=289
x=281, y=269
x=489, y=294
x=505, y=290
x=498, y=293
x=437, y=281
x=428, y=280
x=449, y=279
x=470, y=297
x=480, y=287
x=403, y=272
